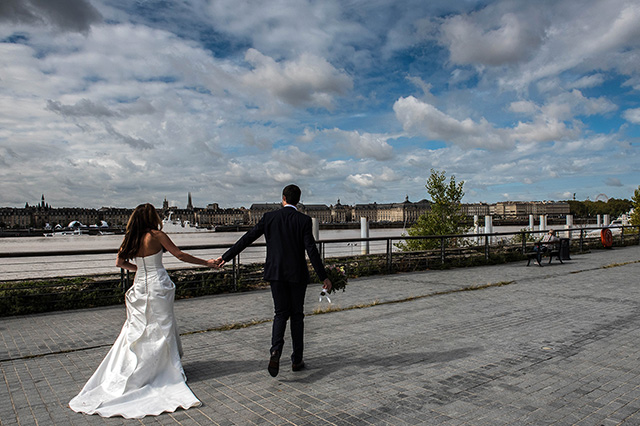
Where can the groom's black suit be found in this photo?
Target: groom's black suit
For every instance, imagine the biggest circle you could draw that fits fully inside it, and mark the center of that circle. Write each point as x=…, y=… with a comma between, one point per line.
x=288, y=235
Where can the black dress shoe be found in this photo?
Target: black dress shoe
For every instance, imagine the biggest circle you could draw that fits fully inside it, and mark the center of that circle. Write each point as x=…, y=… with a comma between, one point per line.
x=298, y=367
x=274, y=364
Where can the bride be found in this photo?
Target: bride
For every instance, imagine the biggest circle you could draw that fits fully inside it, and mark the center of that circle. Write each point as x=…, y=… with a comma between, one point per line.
x=142, y=373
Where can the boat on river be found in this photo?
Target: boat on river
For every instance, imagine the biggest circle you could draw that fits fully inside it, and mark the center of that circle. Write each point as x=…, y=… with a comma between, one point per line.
x=75, y=228
x=176, y=226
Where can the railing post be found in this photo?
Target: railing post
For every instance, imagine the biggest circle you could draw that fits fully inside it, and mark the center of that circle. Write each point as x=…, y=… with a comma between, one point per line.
x=442, y=250
x=524, y=243
x=622, y=236
x=235, y=272
x=122, y=283
x=389, y=251
x=364, y=233
x=486, y=247
x=581, y=240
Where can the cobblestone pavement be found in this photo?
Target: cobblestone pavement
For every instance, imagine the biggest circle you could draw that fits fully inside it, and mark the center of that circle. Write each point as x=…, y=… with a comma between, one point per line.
x=556, y=345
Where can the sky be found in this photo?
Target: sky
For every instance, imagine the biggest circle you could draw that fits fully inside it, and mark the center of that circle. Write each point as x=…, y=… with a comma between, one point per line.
x=119, y=102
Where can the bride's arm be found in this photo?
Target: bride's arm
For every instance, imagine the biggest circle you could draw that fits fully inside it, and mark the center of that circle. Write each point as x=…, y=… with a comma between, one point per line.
x=125, y=264
x=179, y=254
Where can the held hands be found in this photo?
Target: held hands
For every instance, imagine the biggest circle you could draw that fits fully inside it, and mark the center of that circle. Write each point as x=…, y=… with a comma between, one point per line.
x=215, y=263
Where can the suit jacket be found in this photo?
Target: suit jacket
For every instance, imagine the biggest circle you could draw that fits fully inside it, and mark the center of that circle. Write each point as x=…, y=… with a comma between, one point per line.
x=288, y=234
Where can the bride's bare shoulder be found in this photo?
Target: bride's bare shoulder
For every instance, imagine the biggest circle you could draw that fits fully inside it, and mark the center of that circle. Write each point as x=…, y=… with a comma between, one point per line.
x=156, y=233
x=159, y=236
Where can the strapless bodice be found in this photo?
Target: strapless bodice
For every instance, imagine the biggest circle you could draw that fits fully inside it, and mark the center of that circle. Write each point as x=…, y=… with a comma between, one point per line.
x=150, y=263
x=151, y=277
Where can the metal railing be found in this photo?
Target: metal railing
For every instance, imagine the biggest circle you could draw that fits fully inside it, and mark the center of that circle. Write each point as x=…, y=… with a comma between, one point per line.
x=84, y=278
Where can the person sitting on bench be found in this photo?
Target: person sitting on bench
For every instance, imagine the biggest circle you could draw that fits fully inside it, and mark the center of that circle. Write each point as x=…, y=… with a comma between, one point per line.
x=546, y=244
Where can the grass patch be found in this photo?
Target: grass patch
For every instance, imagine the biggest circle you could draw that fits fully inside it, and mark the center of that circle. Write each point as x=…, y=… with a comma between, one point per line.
x=615, y=265
x=227, y=327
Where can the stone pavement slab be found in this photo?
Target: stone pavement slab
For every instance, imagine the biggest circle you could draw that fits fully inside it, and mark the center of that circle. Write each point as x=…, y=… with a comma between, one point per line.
x=552, y=345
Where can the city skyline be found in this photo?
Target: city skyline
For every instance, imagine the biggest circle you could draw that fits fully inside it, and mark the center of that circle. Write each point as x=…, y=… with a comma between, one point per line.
x=109, y=101
x=177, y=203
x=188, y=199
x=45, y=216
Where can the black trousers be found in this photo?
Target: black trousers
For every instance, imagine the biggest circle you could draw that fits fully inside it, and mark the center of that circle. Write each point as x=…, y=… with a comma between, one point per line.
x=288, y=303
x=539, y=250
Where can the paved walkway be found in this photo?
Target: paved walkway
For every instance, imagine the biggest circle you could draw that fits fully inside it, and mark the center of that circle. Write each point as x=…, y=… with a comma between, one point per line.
x=540, y=346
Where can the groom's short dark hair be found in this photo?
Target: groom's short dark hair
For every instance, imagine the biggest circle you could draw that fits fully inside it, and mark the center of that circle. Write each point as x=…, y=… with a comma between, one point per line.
x=291, y=193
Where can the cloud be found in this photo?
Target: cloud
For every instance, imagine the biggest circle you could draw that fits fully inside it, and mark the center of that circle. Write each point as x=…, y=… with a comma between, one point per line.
x=296, y=162
x=632, y=115
x=613, y=31
x=289, y=28
x=633, y=82
x=133, y=142
x=364, y=180
x=81, y=108
x=471, y=42
x=424, y=119
x=613, y=182
x=572, y=103
x=549, y=120
x=425, y=87
x=542, y=130
x=253, y=139
x=65, y=15
x=523, y=107
x=588, y=81
x=389, y=175
x=308, y=81
x=363, y=145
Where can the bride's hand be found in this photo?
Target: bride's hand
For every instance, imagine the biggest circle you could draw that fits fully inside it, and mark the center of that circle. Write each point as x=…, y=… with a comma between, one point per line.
x=215, y=263
x=212, y=263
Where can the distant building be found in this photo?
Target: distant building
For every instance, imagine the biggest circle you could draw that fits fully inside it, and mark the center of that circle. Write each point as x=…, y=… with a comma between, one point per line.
x=214, y=215
x=340, y=213
x=13, y=217
x=480, y=209
x=522, y=209
x=257, y=210
x=407, y=213
x=318, y=211
x=115, y=216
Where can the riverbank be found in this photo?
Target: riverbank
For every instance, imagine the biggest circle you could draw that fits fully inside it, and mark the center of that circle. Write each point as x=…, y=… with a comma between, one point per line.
x=34, y=232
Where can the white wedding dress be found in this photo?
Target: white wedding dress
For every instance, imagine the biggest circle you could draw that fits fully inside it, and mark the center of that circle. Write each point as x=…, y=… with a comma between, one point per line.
x=142, y=374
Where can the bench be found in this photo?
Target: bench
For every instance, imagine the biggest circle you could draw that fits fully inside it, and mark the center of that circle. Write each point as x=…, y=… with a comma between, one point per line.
x=553, y=250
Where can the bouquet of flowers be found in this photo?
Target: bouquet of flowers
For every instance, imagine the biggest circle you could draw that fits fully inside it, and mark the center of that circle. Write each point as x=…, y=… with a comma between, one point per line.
x=338, y=278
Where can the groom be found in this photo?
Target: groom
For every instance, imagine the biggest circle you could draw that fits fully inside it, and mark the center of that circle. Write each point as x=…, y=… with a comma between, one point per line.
x=288, y=235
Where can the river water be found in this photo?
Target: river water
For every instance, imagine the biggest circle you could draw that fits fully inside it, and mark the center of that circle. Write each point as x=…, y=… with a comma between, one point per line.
x=54, y=266
x=77, y=265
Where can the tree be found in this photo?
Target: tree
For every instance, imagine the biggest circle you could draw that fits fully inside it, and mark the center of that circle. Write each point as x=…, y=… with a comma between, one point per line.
x=635, y=216
x=613, y=207
x=445, y=216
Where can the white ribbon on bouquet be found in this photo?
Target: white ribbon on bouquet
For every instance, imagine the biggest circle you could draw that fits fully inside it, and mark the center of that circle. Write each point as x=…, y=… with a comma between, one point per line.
x=324, y=294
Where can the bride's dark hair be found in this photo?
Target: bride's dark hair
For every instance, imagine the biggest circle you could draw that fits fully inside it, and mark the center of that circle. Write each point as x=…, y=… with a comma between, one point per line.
x=143, y=219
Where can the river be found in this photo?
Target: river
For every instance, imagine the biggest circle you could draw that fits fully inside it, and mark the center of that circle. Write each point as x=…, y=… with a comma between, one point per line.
x=56, y=266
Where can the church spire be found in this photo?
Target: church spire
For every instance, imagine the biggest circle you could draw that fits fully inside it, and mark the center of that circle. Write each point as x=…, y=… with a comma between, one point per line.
x=189, y=203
